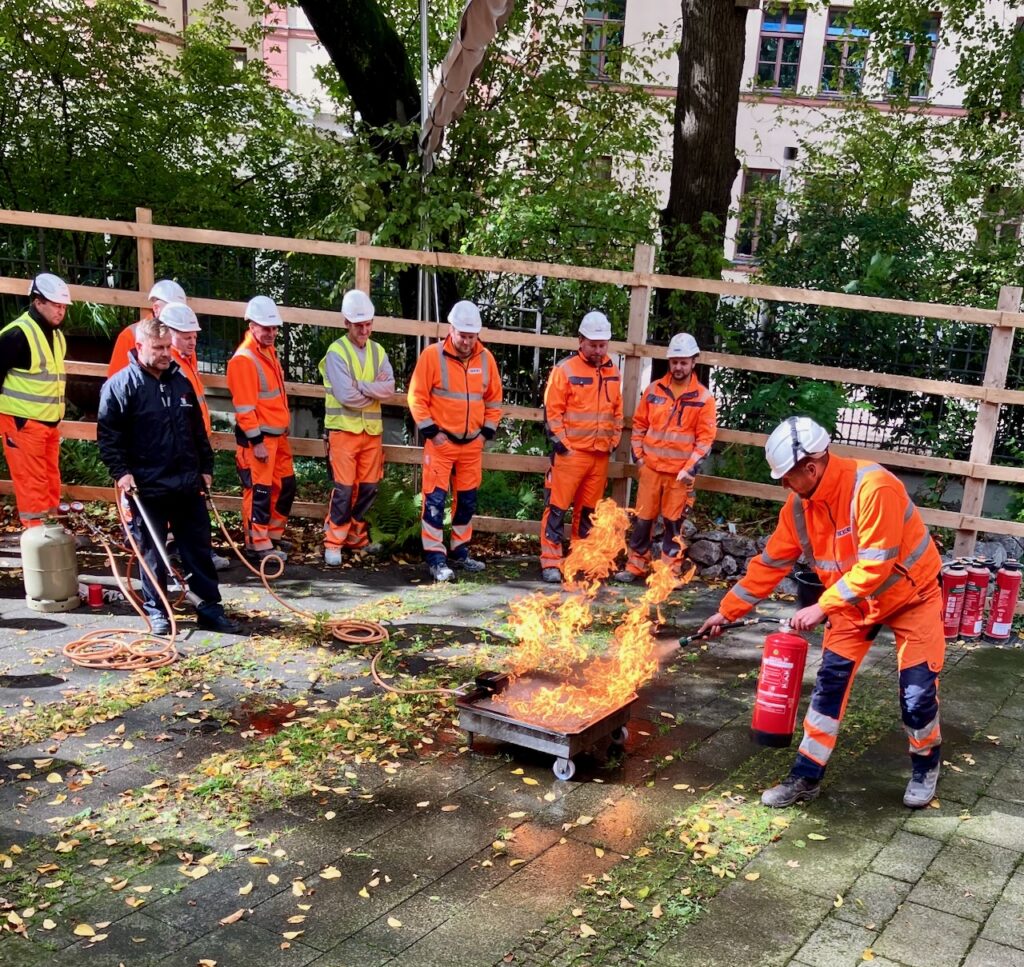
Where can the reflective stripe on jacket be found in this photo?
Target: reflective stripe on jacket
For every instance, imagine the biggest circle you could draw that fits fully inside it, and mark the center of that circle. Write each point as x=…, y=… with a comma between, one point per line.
x=583, y=405
x=36, y=393
x=349, y=418
x=673, y=429
x=190, y=367
x=256, y=382
x=862, y=534
x=461, y=397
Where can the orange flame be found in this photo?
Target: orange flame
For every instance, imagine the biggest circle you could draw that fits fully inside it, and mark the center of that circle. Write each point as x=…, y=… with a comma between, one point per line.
x=594, y=555
x=594, y=686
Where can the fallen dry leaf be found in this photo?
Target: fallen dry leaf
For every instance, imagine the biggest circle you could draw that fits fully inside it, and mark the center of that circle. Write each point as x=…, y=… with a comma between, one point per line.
x=657, y=911
x=587, y=931
x=84, y=930
x=330, y=873
x=394, y=923
x=529, y=781
x=752, y=876
x=624, y=904
x=232, y=917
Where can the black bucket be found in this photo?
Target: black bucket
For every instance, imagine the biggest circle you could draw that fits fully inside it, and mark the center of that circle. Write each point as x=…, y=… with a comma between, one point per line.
x=808, y=588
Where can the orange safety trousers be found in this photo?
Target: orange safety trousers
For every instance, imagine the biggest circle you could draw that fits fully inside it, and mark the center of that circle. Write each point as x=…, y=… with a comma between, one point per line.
x=458, y=467
x=658, y=494
x=575, y=479
x=33, y=456
x=357, y=466
x=920, y=651
x=268, y=491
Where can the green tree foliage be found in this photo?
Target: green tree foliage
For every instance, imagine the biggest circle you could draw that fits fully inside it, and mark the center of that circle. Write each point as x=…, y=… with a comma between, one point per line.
x=526, y=171
x=903, y=204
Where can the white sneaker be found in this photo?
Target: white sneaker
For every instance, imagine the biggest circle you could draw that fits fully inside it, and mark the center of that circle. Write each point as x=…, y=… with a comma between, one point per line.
x=221, y=563
x=332, y=556
x=441, y=572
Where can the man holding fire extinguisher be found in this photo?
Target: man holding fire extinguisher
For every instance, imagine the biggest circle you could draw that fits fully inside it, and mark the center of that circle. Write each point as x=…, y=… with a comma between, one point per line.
x=855, y=524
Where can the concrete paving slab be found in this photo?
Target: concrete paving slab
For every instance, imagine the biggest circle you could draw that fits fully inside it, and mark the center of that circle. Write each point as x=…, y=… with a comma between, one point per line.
x=747, y=925
x=1005, y=924
x=825, y=868
x=905, y=857
x=987, y=954
x=872, y=900
x=836, y=943
x=997, y=822
x=919, y=936
x=965, y=878
x=244, y=943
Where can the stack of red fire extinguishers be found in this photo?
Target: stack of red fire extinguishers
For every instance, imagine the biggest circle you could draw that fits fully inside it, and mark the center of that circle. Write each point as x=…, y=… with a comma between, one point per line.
x=967, y=587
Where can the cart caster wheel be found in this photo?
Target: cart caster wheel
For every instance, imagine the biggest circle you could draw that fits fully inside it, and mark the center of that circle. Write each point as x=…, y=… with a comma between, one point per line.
x=564, y=769
x=620, y=735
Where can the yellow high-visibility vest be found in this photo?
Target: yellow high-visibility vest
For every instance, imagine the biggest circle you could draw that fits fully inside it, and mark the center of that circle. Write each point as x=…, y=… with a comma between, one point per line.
x=36, y=393
x=339, y=417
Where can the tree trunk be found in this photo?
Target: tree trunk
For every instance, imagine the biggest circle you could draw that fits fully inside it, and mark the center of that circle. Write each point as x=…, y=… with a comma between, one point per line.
x=704, y=162
x=373, y=63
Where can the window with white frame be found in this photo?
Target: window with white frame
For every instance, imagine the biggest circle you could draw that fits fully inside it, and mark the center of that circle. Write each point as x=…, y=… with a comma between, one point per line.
x=846, y=54
x=603, y=25
x=779, y=47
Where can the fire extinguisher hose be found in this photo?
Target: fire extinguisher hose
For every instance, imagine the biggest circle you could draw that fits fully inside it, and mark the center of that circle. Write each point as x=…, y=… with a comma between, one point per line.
x=744, y=623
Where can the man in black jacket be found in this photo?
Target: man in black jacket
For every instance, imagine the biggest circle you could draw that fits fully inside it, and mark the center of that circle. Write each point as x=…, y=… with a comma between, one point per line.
x=153, y=441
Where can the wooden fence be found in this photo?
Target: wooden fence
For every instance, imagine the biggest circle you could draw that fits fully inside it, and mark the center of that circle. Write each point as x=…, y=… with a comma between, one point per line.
x=990, y=395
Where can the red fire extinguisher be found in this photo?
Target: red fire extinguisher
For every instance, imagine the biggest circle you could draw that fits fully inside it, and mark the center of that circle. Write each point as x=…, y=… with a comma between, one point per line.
x=778, y=689
x=954, y=585
x=1004, y=602
x=973, y=616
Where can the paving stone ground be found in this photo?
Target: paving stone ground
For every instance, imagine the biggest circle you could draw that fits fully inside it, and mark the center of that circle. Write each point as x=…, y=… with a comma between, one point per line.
x=940, y=886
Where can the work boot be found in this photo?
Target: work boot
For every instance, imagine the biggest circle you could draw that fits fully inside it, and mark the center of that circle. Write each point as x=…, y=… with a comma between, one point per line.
x=441, y=573
x=159, y=624
x=332, y=556
x=624, y=577
x=791, y=790
x=921, y=788
x=469, y=564
x=259, y=556
x=283, y=544
x=220, y=563
x=551, y=575
x=374, y=550
x=211, y=617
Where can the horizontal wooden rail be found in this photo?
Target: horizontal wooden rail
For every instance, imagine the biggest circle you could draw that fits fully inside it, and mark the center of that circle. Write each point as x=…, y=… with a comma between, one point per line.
x=476, y=263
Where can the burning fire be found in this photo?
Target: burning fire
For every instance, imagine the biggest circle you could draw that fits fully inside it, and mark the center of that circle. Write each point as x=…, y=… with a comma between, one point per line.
x=549, y=634
x=594, y=555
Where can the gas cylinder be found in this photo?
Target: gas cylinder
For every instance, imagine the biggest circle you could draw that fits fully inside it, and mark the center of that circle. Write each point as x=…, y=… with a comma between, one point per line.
x=778, y=688
x=1004, y=602
x=954, y=585
x=973, y=616
x=49, y=568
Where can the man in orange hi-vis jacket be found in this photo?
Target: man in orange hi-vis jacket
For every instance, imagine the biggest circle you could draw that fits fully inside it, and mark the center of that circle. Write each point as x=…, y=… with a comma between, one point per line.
x=455, y=401
x=262, y=420
x=673, y=429
x=854, y=523
x=163, y=292
x=583, y=414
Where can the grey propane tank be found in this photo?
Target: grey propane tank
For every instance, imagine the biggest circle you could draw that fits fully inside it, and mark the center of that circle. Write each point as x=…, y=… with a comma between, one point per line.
x=49, y=568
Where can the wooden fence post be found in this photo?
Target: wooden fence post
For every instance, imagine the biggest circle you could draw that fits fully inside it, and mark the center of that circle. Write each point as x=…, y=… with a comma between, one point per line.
x=363, y=265
x=636, y=333
x=996, y=366
x=144, y=253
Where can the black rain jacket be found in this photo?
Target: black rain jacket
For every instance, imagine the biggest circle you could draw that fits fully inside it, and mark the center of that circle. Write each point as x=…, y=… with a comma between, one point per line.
x=153, y=429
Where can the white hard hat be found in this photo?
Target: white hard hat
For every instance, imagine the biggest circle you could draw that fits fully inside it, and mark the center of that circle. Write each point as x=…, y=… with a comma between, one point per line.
x=178, y=316
x=356, y=306
x=791, y=441
x=465, y=317
x=167, y=290
x=595, y=325
x=683, y=345
x=263, y=311
x=51, y=287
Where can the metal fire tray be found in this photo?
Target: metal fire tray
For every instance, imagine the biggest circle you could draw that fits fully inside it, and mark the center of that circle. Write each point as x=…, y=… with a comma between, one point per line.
x=490, y=715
